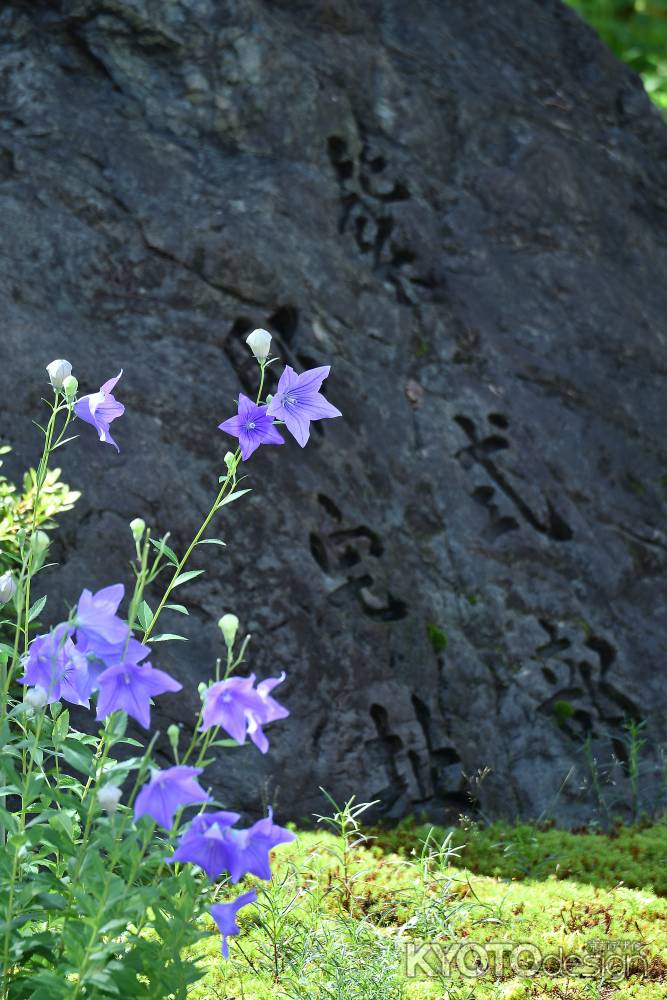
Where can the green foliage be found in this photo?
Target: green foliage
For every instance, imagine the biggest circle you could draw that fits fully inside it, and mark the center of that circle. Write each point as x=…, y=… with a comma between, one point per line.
x=636, y=30
x=634, y=856
x=19, y=508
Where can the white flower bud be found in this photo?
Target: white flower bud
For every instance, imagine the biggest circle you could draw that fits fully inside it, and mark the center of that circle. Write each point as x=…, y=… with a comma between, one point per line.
x=7, y=587
x=137, y=527
x=229, y=625
x=36, y=697
x=229, y=460
x=108, y=798
x=58, y=371
x=70, y=385
x=259, y=342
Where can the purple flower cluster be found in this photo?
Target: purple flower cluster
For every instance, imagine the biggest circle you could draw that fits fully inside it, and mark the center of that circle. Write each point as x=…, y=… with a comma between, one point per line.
x=211, y=841
x=297, y=401
x=96, y=651
x=104, y=658
x=241, y=709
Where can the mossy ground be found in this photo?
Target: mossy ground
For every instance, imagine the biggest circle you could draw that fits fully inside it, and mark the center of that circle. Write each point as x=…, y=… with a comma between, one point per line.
x=326, y=929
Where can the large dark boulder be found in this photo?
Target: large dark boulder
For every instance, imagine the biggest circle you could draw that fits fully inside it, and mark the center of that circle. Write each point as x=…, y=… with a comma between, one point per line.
x=462, y=208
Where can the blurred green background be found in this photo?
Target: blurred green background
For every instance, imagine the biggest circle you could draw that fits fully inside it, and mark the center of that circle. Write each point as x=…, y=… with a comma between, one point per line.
x=636, y=30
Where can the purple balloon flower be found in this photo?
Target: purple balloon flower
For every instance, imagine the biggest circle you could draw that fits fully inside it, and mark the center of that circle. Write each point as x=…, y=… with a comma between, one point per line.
x=100, y=408
x=55, y=664
x=251, y=426
x=99, y=629
x=248, y=850
x=167, y=791
x=298, y=401
x=129, y=687
x=213, y=845
x=204, y=843
x=224, y=915
x=241, y=710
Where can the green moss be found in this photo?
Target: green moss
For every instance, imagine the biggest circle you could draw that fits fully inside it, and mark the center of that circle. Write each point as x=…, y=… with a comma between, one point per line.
x=437, y=638
x=551, y=888
x=563, y=710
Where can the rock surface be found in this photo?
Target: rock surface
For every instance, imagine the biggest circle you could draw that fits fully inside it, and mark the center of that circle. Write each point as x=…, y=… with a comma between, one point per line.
x=462, y=208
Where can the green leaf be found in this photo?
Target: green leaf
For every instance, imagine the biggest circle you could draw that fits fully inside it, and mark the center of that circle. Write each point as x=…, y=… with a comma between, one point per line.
x=167, y=637
x=226, y=743
x=211, y=541
x=232, y=497
x=181, y=608
x=78, y=758
x=164, y=549
x=184, y=577
x=144, y=614
x=37, y=608
x=60, y=728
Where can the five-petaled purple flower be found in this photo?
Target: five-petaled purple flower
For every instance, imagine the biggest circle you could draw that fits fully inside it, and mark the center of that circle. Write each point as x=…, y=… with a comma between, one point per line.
x=130, y=687
x=100, y=408
x=224, y=915
x=249, y=850
x=55, y=664
x=205, y=844
x=241, y=710
x=251, y=426
x=99, y=629
x=213, y=844
x=298, y=401
x=167, y=791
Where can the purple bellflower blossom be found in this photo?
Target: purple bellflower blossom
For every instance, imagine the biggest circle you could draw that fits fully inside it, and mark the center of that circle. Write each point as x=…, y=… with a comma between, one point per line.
x=100, y=408
x=241, y=710
x=251, y=426
x=298, y=401
x=204, y=843
x=224, y=915
x=129, y=687
x=213, y=845
x=56, y=665
x=249, y=850
x=98, y=624
x=268, y=711
x=167, y=791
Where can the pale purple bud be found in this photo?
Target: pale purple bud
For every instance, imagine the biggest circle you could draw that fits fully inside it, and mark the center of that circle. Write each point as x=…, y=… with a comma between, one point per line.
x=7, y=587
x=58, y=371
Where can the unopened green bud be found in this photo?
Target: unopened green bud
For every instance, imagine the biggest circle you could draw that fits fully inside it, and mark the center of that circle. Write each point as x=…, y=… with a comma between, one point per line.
x=229, y=626
x=173, y=732
x=202, y=689
x=70, y=385
x=137, y=527
x=229, y=461
x=39, y=544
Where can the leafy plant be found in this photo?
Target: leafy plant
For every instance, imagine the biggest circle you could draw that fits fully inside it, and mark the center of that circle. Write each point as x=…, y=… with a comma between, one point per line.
x=100, y=897
x=636, y=30
x=41, y=504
